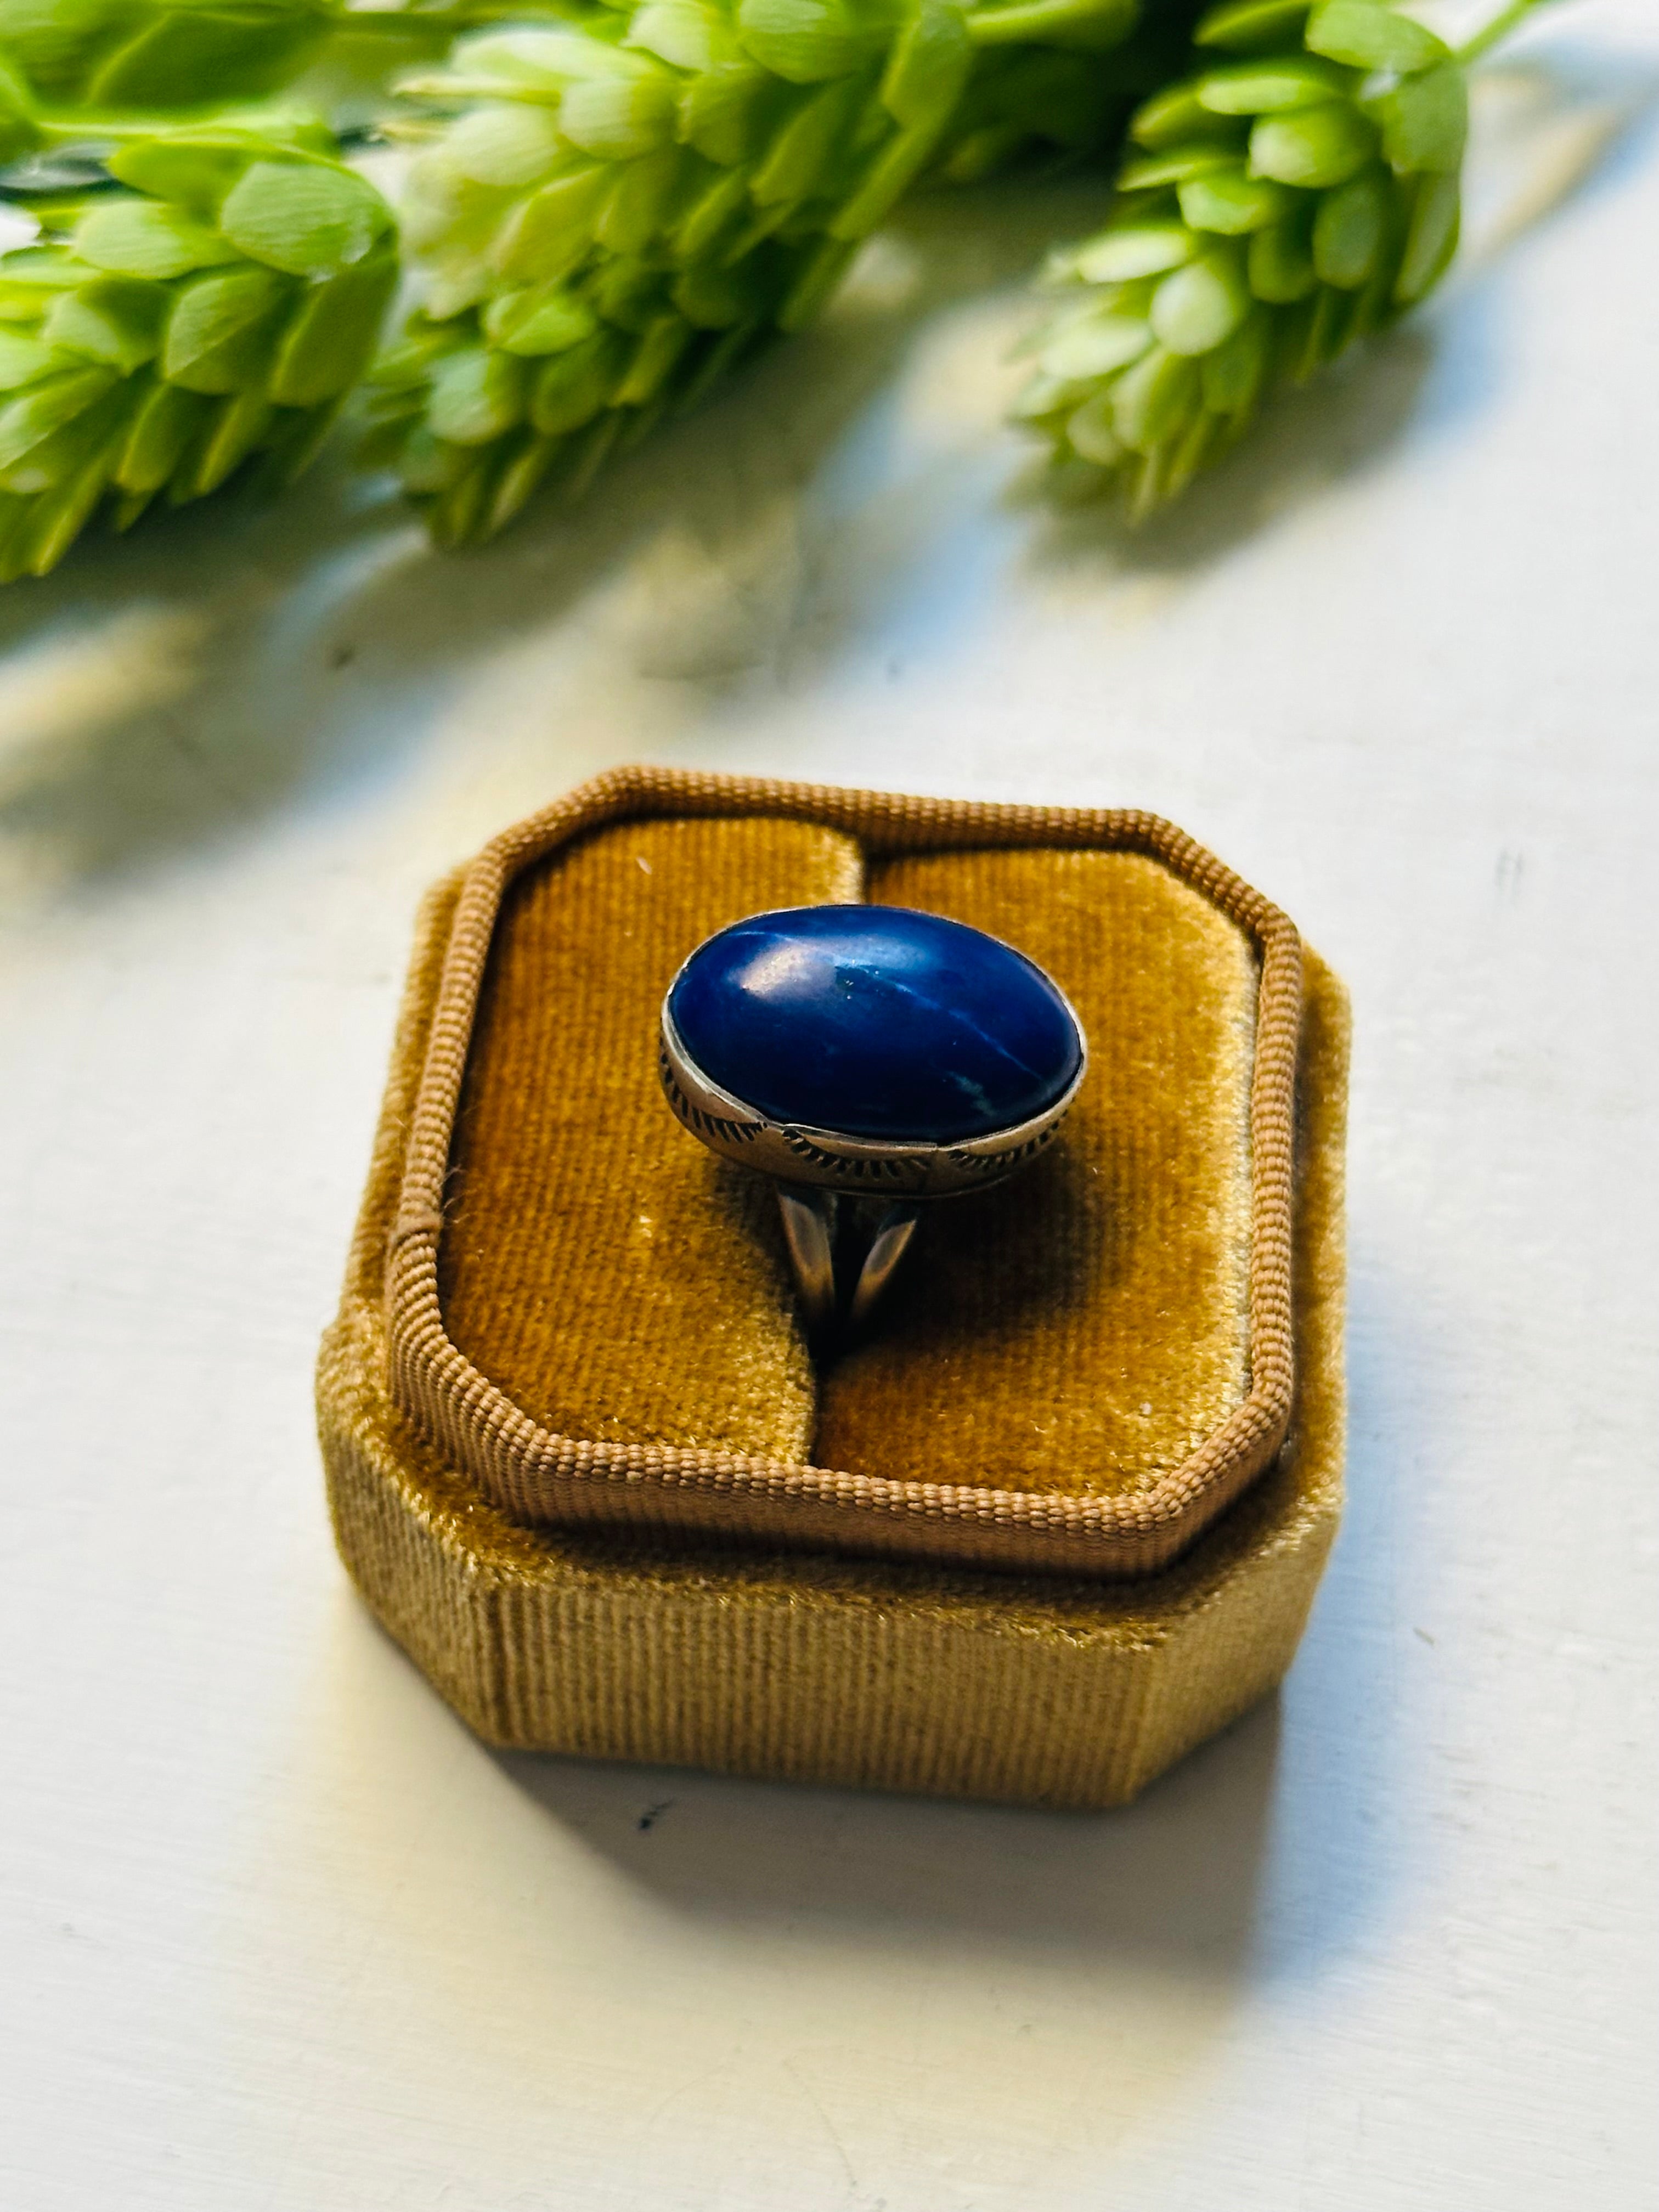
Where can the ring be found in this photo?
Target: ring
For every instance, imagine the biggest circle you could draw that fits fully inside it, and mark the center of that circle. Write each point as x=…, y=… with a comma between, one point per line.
x=869, y=1058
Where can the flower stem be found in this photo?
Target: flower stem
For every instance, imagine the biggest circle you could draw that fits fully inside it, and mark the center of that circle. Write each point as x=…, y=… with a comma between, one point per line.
x=1107, y=23
x=1499, y=28
x=410, y=22
x=94, y=130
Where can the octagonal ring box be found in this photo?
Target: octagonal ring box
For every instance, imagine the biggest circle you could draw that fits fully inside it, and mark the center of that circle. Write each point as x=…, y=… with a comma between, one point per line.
x=1057, y=1518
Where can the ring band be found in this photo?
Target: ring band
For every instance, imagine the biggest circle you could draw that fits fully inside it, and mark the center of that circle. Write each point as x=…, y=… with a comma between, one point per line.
x=868, y=1059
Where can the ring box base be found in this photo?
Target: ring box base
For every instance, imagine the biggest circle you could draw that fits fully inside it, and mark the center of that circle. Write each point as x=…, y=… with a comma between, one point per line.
x=883, y=1672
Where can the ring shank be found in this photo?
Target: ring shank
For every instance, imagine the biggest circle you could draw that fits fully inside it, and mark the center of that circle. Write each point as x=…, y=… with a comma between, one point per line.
x=840, y=1288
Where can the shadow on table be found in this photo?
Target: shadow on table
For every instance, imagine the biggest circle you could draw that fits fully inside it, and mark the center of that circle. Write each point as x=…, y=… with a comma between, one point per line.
x=1172, y=1881
x=161, y=689
x=160, y=692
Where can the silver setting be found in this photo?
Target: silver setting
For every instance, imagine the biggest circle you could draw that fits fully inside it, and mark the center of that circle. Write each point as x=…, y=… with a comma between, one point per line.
x=831, y=1184
x=867, y=1167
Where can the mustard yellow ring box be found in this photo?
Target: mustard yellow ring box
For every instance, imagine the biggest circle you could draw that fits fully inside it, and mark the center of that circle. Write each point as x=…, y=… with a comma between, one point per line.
x=1058, y=1517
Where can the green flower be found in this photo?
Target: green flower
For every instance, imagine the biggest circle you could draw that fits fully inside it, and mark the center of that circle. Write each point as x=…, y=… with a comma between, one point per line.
x=613, y=216
x=1299, y=191
x=161, y=338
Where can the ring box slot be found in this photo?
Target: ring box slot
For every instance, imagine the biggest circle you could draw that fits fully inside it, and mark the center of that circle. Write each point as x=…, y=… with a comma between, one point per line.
x=1084, y=1326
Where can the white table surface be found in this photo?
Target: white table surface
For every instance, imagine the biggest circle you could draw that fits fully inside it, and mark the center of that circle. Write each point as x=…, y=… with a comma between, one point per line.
x=279, y=1935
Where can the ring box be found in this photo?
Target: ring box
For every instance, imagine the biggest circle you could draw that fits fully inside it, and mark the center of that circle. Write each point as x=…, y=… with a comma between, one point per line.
x=1059, y=1518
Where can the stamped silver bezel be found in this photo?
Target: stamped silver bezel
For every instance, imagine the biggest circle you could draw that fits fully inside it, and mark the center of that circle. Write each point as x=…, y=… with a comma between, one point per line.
x=830, y=1158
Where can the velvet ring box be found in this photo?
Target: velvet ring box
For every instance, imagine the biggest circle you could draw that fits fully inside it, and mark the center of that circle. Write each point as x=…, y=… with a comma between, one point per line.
x=1062, y=1515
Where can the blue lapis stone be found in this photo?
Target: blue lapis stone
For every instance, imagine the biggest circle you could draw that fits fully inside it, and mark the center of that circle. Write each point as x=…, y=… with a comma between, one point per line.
x=877, y=1022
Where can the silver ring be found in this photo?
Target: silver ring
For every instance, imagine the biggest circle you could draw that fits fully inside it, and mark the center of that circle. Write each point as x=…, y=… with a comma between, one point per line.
x=866, y=1060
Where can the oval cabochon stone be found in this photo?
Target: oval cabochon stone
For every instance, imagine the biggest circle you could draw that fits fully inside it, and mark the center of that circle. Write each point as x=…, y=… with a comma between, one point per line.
x=877, y=1021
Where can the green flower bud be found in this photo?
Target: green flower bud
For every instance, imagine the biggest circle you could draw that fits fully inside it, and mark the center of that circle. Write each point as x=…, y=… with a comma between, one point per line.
x=162, y=54
x=210, y=316
x=608, y=219
x=1296, y=191
x=149, y=54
